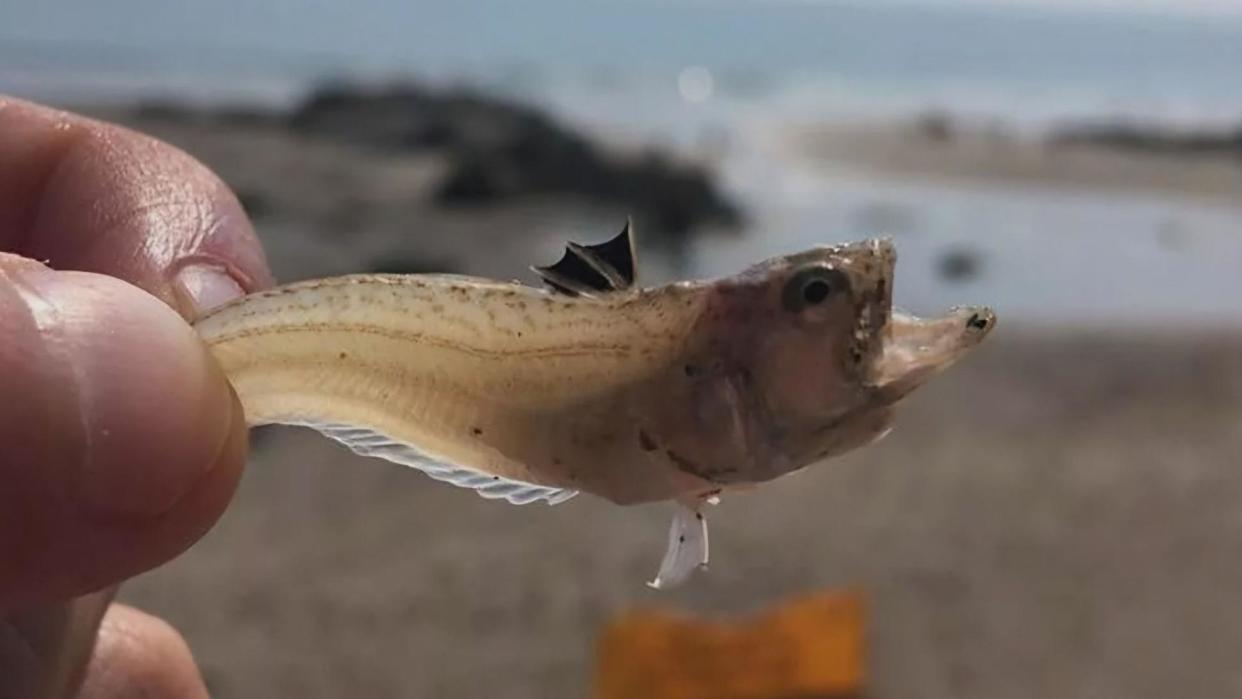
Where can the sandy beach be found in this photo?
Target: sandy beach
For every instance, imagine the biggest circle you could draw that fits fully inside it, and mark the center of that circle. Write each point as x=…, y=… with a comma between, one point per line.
x=1057, y=517
x=933, y=149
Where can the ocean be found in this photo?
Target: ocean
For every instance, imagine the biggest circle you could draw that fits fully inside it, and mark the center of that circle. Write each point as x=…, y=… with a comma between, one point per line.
x=680, y=71
x=1022, y=64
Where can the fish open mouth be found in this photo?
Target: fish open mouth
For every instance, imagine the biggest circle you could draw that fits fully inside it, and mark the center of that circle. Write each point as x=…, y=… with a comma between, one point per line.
x=914, y=349
x=906, y=350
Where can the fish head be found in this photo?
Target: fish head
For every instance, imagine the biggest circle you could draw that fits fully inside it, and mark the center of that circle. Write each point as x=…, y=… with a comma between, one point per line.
x=823, y=355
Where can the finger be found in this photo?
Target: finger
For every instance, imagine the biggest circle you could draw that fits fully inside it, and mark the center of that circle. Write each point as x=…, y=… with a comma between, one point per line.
x=120, y=439
x=138, y=655
x=44, y=650
x=85, y=195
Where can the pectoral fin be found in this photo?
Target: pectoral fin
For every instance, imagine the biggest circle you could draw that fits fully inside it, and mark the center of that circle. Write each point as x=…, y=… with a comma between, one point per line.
x=687, y=548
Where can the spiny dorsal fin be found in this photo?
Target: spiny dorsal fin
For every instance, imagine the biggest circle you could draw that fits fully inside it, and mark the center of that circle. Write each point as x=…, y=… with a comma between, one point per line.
x=588, y=270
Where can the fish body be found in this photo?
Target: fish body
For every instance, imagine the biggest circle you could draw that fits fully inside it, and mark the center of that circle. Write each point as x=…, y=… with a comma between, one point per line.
x=679, y=392
x=505, y=379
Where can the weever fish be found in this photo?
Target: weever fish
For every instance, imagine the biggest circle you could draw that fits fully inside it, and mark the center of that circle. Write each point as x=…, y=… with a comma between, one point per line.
x=680, y=392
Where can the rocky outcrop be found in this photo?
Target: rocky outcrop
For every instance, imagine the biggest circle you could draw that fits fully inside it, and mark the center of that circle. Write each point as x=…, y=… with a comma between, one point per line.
x=499, y=150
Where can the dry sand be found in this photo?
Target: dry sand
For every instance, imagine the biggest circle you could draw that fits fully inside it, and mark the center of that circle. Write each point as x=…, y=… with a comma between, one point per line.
x=1060, y=516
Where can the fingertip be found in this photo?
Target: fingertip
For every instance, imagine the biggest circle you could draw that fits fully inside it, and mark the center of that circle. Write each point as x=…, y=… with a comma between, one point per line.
x=139, y=655
x=147, y=391
x=128, y=442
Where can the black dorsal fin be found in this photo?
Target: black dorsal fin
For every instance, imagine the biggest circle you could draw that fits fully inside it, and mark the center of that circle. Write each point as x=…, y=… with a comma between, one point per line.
x=588, y=270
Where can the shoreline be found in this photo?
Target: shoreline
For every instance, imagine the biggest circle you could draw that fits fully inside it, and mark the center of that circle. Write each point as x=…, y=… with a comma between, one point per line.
x=931, y=149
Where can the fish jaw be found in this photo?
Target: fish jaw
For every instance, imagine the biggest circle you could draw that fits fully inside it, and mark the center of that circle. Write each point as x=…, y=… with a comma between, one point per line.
x=915, y=349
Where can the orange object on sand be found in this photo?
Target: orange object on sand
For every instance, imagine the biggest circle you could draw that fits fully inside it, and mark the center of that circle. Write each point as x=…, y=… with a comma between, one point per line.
x=811, y=647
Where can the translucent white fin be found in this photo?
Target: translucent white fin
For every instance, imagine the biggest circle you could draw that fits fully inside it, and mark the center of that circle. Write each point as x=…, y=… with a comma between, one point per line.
x=687, y=548
x=367, y=442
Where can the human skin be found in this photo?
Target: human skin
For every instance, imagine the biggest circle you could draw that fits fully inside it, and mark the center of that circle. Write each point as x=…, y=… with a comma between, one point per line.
x=121, y=442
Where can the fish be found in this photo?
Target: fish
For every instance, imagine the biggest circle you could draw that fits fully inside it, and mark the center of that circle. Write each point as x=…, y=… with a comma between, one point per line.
x=591, y=383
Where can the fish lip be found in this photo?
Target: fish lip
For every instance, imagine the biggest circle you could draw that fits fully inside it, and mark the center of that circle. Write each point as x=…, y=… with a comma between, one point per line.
x=915, y=349
x=872, y=277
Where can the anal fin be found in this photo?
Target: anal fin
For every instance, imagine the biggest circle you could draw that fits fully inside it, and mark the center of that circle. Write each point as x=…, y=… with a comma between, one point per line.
x=367, y=442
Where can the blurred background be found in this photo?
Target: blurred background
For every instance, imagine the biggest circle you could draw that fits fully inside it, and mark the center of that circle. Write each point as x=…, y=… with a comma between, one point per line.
x=1059, y=516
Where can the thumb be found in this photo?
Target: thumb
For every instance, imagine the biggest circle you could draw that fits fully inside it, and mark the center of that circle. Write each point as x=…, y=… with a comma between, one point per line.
x=120, y=439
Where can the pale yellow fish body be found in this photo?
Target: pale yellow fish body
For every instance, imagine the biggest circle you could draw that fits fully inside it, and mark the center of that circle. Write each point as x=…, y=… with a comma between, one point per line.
x=679, y=392
x=503, y=378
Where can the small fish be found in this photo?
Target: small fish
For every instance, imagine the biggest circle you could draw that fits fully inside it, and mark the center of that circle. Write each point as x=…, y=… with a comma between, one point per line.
x=681, y=392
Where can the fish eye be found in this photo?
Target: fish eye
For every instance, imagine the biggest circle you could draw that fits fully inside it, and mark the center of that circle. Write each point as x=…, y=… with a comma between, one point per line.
x=815, y=291
x=813, y=286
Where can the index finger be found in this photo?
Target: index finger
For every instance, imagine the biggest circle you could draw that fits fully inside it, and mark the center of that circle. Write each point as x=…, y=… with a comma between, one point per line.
x=81, y=194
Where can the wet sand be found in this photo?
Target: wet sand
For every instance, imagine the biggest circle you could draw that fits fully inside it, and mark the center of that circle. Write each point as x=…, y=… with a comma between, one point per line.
x=980, y=155
x=1059, y=516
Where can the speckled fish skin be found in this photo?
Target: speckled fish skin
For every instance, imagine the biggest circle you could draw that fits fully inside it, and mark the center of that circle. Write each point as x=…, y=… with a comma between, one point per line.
x=503, y=378
x=679, y=392
x=634, y=396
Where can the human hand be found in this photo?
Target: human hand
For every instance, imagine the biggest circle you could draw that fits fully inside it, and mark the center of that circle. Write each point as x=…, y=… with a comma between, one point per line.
x=121, y=442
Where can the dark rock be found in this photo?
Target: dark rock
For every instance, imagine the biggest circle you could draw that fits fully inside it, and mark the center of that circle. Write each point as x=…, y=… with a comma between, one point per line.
x=498, y=150
x=959, y=265
x=935, y=127
x=474, y=181
x=1152, y=139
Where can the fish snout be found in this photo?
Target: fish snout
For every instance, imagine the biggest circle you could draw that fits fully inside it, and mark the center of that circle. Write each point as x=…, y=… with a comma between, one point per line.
x=979, y=322
x=915, y=348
